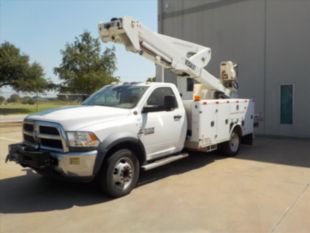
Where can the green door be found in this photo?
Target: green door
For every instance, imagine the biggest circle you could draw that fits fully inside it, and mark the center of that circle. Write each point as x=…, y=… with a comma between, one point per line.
x=286, y=110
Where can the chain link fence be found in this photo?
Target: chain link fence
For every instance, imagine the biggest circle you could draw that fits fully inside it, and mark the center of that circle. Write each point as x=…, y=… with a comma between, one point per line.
x=12, y=102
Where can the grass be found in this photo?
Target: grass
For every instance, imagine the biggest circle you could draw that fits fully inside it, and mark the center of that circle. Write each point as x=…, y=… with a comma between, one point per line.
x=19, y=108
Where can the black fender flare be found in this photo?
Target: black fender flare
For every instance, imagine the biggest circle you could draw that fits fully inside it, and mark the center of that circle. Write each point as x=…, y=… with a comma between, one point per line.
x=111, y=142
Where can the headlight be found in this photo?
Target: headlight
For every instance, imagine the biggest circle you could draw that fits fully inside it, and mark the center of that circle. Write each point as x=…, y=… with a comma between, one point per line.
x=82, y=139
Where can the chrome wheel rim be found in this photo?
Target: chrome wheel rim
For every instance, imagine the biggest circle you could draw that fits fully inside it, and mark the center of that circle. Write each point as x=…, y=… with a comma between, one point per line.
x=123, y=173
x=234, y=142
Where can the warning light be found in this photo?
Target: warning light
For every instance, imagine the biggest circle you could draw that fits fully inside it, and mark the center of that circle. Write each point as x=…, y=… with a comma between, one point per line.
x=197, y=98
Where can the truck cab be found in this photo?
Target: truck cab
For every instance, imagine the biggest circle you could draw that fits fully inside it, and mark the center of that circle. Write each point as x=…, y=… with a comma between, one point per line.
x=156, y=116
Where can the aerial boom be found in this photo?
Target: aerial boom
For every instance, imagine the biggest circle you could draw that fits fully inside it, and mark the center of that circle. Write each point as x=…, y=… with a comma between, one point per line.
x=181, y=57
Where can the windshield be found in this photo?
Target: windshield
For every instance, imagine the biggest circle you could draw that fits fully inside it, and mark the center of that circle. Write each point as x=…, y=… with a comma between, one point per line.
x=121, y=96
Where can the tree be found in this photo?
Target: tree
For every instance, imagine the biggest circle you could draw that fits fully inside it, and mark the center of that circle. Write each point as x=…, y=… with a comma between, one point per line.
x=28, y=100
x=2, y=99
x=16, y=70
x=14, y=98
x=84, y=68
x=151, y=79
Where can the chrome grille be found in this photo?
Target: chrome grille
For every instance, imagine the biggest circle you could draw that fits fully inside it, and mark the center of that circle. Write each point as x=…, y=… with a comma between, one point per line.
x=44, y=135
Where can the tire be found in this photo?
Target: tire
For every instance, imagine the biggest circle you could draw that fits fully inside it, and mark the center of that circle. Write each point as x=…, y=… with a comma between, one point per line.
x=231, y=147
x=120, y=173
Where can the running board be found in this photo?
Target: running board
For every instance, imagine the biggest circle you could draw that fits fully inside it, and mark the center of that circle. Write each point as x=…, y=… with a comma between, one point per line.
x=163, y=161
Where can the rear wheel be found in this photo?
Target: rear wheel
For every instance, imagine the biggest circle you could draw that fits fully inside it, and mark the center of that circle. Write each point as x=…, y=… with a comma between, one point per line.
x=120, y=173
x=231, y=147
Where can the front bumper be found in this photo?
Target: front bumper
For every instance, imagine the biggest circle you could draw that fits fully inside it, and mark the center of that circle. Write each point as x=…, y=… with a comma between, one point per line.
x=70, y=164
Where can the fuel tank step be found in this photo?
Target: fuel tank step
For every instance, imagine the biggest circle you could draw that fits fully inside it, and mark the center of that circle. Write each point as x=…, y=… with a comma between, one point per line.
x=164, y=161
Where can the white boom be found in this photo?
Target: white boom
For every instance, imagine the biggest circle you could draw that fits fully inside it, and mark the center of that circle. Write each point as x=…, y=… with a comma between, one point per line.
x=181, y=57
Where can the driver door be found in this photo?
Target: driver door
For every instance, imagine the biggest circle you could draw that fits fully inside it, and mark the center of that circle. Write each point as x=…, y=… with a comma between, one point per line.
x=162, y=129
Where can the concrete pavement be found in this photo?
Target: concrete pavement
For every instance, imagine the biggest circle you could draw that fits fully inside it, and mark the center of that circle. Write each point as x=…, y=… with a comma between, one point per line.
x=264, y=189
x=12, y=118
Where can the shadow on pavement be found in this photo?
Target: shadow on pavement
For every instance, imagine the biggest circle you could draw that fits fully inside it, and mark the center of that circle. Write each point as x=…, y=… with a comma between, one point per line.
x=195, y=160
x=33, y=193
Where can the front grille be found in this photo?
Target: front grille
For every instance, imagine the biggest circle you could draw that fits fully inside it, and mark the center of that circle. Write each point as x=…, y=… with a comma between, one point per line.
x=44, y=135
x=29, y=139
x=49, y=130
x=28, y=127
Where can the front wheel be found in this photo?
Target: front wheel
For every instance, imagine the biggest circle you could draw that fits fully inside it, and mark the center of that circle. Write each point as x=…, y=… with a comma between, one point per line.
x=231, y=147
x=120, y=173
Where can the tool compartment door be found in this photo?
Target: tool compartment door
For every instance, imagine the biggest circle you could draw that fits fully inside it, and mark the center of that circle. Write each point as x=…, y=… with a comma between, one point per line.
x=211, y=121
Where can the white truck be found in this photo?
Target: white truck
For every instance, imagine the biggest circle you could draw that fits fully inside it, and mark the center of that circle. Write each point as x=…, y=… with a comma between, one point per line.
x=126, y=127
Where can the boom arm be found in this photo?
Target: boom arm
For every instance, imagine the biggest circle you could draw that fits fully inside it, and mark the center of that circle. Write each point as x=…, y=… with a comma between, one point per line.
x=182, y=57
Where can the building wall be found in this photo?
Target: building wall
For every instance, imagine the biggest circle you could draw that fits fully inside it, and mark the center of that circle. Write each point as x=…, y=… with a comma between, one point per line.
x=269, y=39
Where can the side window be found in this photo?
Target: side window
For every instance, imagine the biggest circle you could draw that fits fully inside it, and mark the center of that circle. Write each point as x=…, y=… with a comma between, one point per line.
x=160, y=98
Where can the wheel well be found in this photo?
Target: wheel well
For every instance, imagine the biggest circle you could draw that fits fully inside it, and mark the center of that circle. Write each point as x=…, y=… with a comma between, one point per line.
x=134, y=147
x=238, y=129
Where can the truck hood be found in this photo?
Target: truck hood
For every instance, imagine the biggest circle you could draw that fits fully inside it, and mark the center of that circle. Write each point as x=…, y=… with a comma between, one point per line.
x=78, y=117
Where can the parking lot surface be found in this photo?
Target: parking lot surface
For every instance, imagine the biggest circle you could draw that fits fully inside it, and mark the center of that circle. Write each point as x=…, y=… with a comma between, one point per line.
x=264, y=189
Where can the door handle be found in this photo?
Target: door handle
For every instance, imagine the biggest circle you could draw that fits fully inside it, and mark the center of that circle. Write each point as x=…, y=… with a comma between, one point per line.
x=177, y=117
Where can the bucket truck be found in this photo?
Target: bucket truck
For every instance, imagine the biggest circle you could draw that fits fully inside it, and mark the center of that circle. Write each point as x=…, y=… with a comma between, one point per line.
x=127, y=127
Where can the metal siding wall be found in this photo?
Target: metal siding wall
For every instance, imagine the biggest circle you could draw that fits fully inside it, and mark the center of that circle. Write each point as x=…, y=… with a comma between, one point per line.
x=225, y=29
x=288, y=57
x=269, y=39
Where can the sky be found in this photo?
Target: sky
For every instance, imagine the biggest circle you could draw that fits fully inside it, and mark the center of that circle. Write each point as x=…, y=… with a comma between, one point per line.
x=41, y=28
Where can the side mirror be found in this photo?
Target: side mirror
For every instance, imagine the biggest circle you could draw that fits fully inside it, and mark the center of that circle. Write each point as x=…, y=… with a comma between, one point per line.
x=170, y=102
